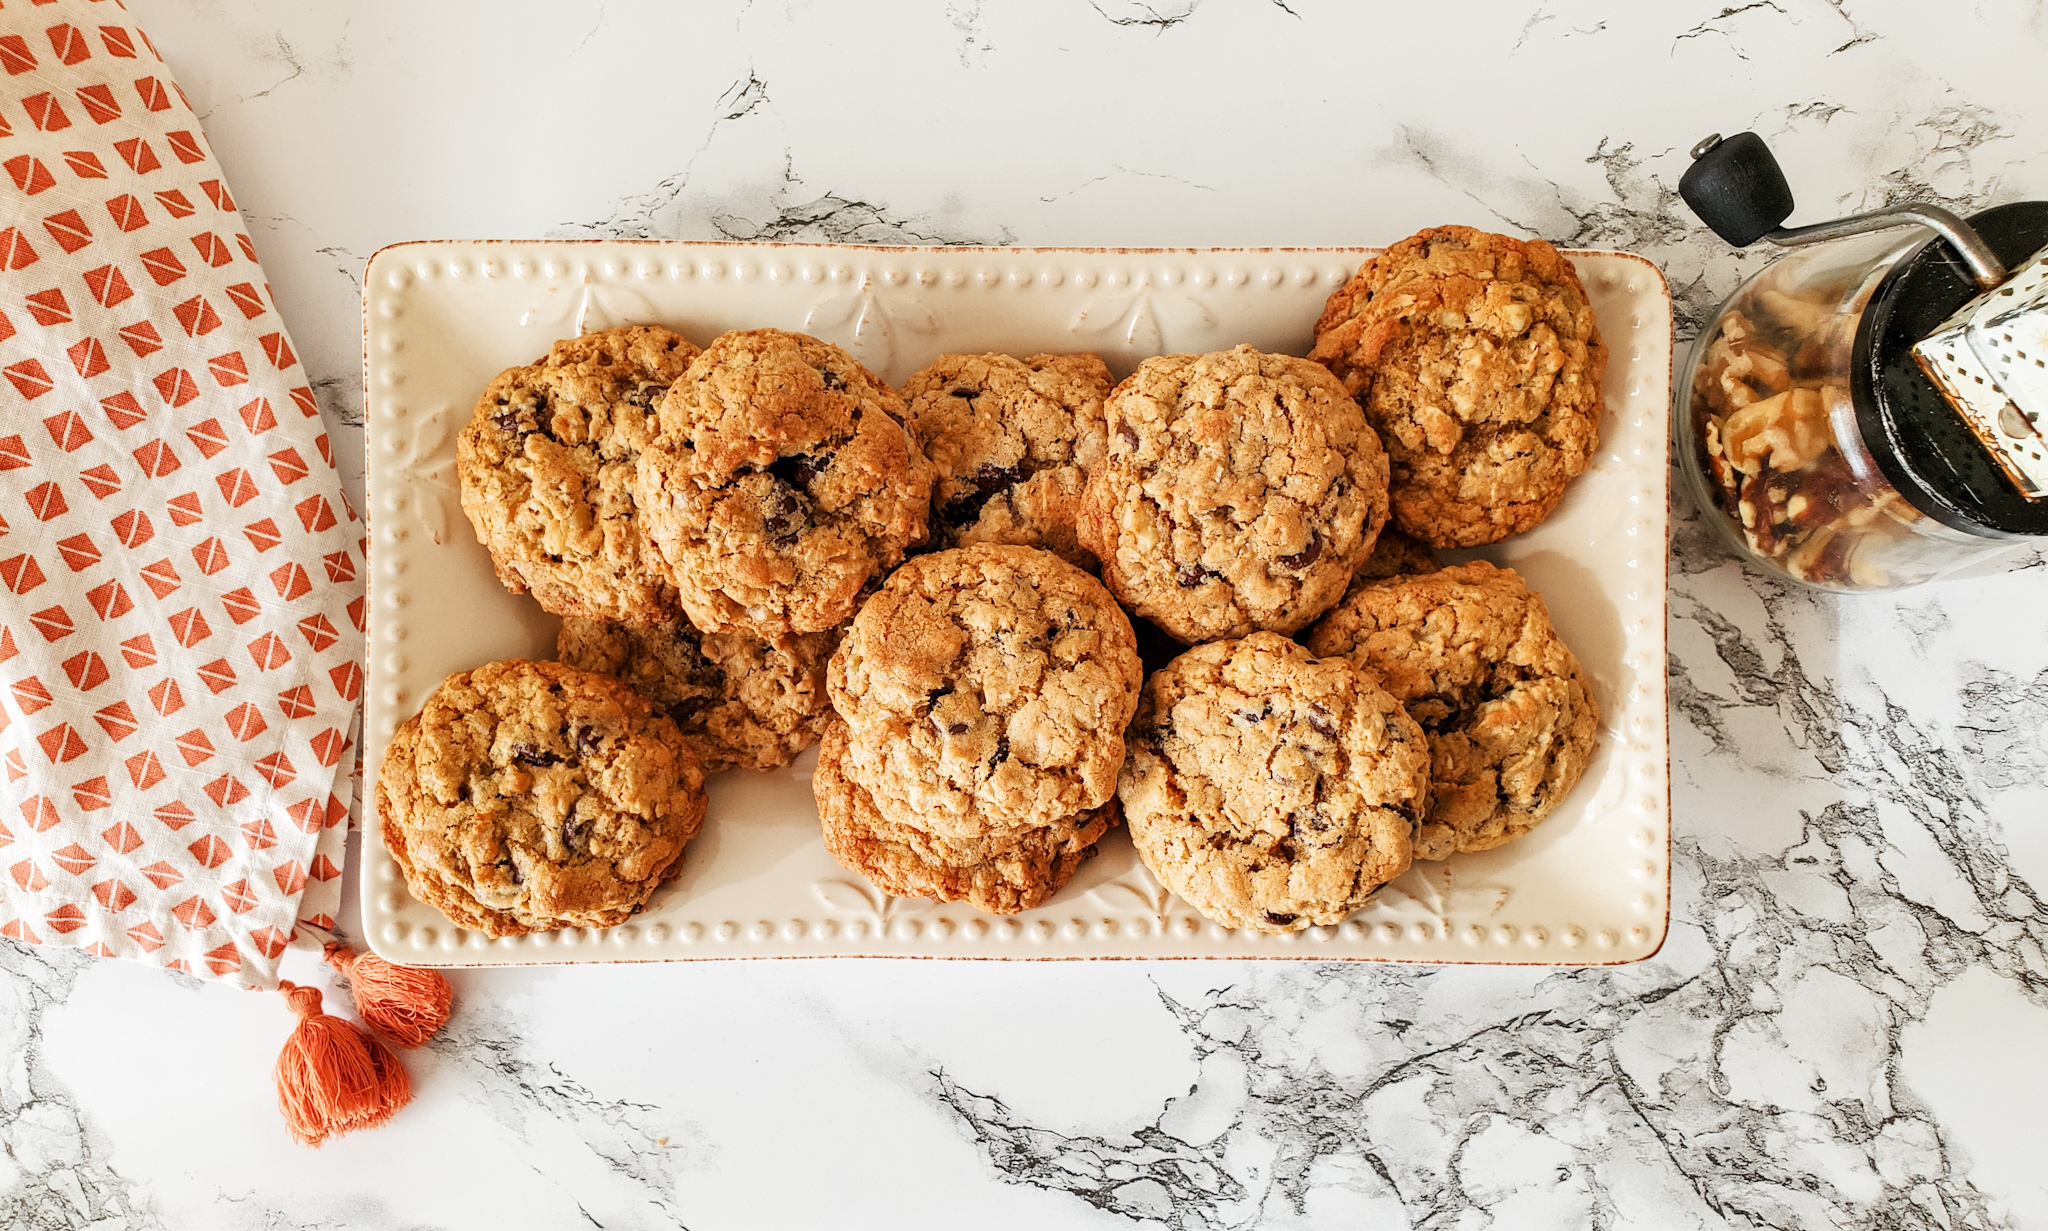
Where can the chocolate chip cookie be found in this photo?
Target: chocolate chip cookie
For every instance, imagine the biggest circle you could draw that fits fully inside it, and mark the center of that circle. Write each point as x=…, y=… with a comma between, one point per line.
x=547, y=466
x=986, y=687
x=1478, y=360
x=1012, y=441
x=1471, y=652
x=1272, y=790
x=526, y=796
x=781, y=482
x=739, y=700
x=1238, y=492
x=1009, y=871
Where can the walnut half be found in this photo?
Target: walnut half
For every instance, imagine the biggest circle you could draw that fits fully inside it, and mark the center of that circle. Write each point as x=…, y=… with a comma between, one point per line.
x=1787, y=432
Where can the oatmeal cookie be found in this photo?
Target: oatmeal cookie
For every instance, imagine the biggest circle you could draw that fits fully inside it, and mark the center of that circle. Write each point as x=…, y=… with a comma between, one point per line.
x=1012, y=441
x=781, y=482
x=1017, y=870
x=1272, y=790
x=738, y=699
x=987, y=687
x=547, y=465
x=1471, y=652
x=1238, y=492
x=526, y=796
x=1478, y=360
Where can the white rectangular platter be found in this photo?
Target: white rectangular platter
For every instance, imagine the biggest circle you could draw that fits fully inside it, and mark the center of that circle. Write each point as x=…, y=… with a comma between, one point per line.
x=440, y=318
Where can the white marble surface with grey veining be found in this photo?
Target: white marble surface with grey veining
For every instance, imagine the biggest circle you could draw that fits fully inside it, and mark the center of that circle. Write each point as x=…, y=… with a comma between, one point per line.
x=1849, y=1024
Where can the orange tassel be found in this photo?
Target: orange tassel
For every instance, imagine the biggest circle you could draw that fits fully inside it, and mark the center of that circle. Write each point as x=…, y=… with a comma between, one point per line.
x=407, y=1004
x=332, y=1077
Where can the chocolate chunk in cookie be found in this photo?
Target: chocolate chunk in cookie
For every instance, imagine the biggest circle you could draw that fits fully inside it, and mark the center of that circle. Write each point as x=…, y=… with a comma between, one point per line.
x=1471, y=652
x=1238, y=493
x=547, y=465
x=1272, y=790
x=526, y=796
x=780, y=484
x=1012, y=441
x=740, y=700
x=1478, y=360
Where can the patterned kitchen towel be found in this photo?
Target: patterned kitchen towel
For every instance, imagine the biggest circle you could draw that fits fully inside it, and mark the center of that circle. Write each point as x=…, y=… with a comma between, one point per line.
x=181, y=595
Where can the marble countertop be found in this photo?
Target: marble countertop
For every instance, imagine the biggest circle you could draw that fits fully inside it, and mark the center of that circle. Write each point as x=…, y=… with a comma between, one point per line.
x=1846, y=1025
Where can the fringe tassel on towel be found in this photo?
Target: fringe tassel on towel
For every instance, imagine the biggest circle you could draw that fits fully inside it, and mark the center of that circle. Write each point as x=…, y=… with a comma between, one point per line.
x=332, y=1077
x=406, y=1004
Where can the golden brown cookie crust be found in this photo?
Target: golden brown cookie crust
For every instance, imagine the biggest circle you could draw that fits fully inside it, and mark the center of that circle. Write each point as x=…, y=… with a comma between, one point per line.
x=1012, y=441
x=1478, y=361
x=739, y=700
x=987, y=686
x=780, y=484
x=1000, y=875
x=1471, y=652
x=1238, y=492
x=527, y=796
x=547, y=466
x=1272, y=790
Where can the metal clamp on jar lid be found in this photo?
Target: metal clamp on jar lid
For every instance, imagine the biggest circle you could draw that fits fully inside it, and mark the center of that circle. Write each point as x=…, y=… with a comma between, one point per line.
x=1990, y=360
x=1910, y=439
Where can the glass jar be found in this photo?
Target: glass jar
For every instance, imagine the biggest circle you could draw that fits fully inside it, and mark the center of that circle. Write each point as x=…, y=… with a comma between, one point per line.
x=1805, y=430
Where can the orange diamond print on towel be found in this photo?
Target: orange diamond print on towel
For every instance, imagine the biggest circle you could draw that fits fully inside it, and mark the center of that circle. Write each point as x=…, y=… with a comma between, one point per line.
x=180, y=646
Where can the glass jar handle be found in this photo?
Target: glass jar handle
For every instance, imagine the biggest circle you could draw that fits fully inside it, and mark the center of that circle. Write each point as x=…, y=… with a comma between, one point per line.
x=1737, y=188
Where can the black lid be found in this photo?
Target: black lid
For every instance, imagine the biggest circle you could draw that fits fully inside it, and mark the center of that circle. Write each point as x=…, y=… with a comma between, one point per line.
x=1918, y=440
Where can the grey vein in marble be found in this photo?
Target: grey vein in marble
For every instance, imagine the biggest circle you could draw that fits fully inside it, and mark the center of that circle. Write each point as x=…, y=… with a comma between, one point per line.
x=643, y=1145
x=761, y=209
x=53, y=1173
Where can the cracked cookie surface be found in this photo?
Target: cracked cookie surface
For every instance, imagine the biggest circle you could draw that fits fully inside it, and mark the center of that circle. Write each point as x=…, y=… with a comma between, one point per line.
x=527, y=796
x=987, y=687
x=1012, y=441
x=1001, y=874
x=1272, y=790
x=1471, y=652
x=739, y=700
x=780, y=483
x=547, y=465
x=1478, y=360
x=1238, y=492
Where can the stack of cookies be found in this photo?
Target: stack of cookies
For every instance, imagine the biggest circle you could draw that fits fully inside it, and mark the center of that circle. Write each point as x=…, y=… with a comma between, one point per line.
x=528, y=796
x=982, y=697
x=981, y=694
x=762, y=545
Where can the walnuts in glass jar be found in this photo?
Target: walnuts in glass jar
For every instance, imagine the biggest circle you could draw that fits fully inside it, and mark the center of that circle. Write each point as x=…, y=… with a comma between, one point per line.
x=1765, y=433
